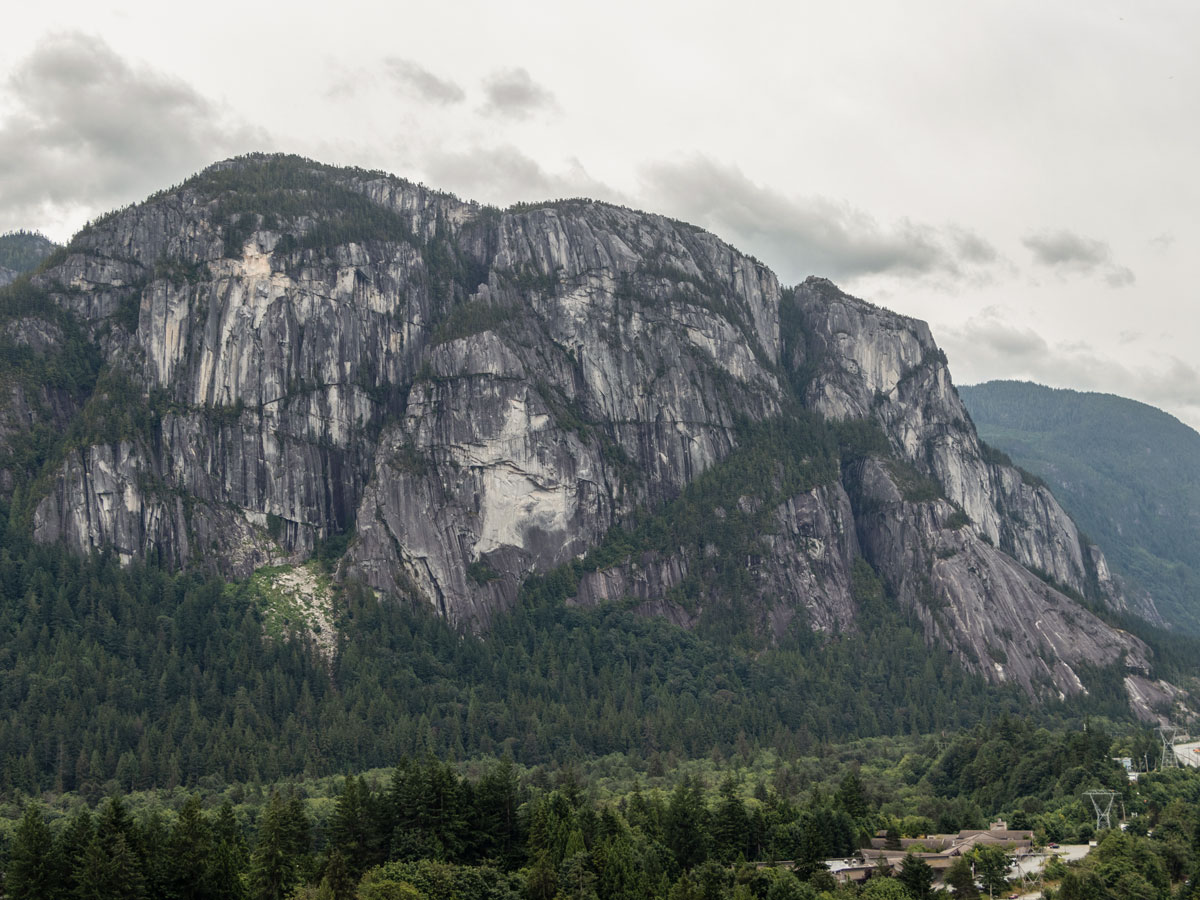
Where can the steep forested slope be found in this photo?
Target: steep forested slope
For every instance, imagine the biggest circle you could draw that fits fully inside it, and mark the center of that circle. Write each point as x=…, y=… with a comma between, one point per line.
x=1128, y=473
x=22, y=251
x=301, y=466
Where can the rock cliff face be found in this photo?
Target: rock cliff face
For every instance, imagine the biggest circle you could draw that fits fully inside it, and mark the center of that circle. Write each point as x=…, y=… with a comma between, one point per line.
x=294, y=351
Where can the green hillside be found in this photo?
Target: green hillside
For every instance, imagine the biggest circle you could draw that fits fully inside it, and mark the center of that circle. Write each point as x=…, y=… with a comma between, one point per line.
x=1128, y=473
x=21, y=251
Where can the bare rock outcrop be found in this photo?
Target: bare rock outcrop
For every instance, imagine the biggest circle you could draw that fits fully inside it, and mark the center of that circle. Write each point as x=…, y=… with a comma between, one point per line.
x=295, y=351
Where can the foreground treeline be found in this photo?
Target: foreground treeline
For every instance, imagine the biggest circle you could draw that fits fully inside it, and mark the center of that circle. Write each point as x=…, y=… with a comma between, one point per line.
x=427, y=831
x=445, y=835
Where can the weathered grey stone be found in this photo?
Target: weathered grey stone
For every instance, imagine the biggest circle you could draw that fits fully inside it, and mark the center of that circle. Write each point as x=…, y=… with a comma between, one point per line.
x=485, y=396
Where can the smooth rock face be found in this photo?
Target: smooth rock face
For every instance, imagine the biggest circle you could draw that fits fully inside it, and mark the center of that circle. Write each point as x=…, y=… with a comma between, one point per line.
x=1004, y=620
x=873, y=363
x=482, y=395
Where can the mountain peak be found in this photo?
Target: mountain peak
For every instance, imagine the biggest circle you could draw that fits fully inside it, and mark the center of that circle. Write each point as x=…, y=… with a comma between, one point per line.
x=473, y=398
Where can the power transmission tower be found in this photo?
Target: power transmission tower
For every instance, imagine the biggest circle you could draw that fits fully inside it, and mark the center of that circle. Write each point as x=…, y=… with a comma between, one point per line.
x=1167, y=733
x=1102, y=802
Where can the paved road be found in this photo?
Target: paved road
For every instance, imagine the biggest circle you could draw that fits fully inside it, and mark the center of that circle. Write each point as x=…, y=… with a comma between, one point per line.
x=1187, y=753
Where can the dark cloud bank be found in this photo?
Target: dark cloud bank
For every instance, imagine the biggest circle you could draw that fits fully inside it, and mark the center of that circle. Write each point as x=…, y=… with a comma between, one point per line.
x=90, y=130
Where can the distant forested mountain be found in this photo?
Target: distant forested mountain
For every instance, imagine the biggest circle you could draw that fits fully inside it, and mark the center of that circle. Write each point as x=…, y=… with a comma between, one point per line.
x=1128, y=473
x=21, y=251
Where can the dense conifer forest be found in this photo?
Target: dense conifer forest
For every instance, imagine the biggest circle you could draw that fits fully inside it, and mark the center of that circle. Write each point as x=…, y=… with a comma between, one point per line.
x=163, y=735
x=21, y=251
x=126, y=679
x=754, y=826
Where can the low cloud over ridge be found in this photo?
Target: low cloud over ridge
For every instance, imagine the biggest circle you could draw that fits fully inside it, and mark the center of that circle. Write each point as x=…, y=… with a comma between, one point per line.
x=810, y=235
x=504, y=175
x=87, y=129
x=990, y=345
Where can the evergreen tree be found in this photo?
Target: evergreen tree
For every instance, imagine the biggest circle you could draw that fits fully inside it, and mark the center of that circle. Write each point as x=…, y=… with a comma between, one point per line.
x=338, y=879
x=34, y=864
x=111, y=870
x=730, y=824
x=153, y=849
x=496, y=828
x=541, y=879
x=274, y=862
x=230, y=857
x=685, y=826
x=576, y=880
x=192, y=852
x=917, y=876
x=72, y=846
x=429, y=812
x=851, y=798
x=960, y=877
x=298, y=831
x=350, y=829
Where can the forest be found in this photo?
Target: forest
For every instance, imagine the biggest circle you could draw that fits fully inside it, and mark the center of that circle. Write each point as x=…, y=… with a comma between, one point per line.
x=120, y=679
x=162, y=734
x=754, y=826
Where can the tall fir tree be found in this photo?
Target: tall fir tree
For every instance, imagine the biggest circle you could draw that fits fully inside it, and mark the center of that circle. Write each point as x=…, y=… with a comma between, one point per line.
x=34, y=866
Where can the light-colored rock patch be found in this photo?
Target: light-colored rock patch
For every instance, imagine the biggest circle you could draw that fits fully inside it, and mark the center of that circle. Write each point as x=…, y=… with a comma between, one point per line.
x=297, y=601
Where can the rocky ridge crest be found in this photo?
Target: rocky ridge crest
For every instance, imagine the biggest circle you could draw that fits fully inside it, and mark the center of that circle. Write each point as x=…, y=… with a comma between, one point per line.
x=291, y=351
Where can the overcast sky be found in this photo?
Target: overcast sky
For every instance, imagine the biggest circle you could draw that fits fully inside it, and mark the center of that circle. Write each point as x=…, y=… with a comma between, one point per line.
x=1022, y=175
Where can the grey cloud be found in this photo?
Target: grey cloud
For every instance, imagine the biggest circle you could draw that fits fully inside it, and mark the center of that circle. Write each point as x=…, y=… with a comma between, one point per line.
x=343, y=85
x=990, y=345
x=1176, y=385
x=1119, y=276
x=513, y=93
x=992, y=334
x=807, y=236
x=1064, y=248
x=420, y=82
x=88, y=130
x=971, y=247
x=505, y=175
x=1066, y=251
